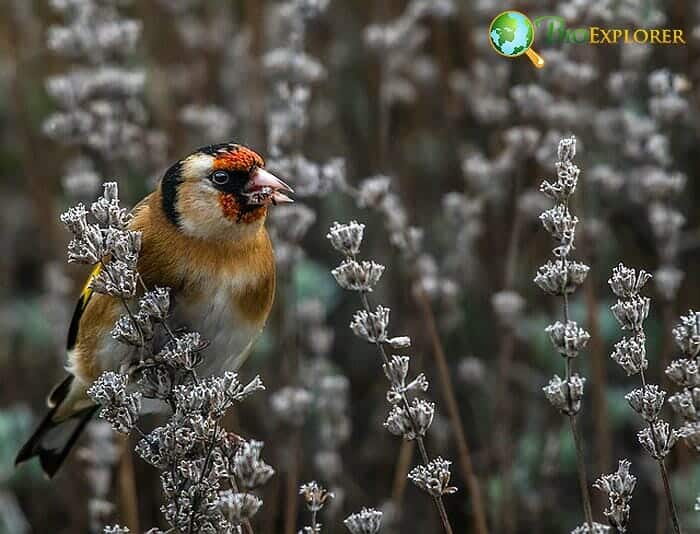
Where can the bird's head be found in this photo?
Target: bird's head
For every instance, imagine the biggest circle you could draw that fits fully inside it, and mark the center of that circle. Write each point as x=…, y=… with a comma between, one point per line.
x=221, y=192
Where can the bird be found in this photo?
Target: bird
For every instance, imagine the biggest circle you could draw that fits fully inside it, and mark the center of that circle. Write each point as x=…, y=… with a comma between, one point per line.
x=203, y=235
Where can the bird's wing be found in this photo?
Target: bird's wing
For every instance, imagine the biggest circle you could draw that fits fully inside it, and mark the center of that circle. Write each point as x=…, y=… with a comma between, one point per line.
x=87, y=292
x=82, y=303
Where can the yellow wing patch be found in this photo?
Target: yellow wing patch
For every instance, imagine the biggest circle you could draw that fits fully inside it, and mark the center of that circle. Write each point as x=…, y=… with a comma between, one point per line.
x=83, y=300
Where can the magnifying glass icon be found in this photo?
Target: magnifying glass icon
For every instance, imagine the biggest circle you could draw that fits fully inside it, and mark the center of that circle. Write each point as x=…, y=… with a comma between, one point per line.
x=511, y=34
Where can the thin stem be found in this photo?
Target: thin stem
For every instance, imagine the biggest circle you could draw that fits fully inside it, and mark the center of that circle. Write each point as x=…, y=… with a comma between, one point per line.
x=419, y=439
x=453, y=412
x=582, y=478
x=670, y=504
x=669, y=498
x=290, y=512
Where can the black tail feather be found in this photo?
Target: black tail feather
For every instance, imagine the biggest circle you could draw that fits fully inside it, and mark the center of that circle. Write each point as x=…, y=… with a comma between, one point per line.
x=52, y=441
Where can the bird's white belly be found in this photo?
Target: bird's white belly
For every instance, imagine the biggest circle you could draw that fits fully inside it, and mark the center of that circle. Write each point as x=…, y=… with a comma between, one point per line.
x=230, y=336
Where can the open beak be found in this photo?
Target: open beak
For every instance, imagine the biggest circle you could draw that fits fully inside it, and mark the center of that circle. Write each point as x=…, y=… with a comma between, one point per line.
x=265, y=188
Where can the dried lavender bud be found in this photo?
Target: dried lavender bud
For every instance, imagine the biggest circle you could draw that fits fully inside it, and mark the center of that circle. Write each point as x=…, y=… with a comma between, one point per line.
x=625, y=282
x=396, y=392
x=238, y=507
x=88, y=247
x=346, y=238
x=659, y=442
x=684, y=373
x=630, y=354
x=562, y=189
x=559, y=277
x=433, y=478
x=291, y=405
x=251, y=471
x=647, y=401
x=184, y=351
x=75, y=219
x=400, y=342
x=366, y=521
x=598, y=528
x=687, y=334
x=686, y=403
x=123, y=245
x=565, y=396
x=126, y=331
x=117, y=279
x=631, y=313
x=371, y=326
x=315, y=495
x=166, y=445
x=560, y=224
x=397, y=370
x=156, y=303
x=618, y=487
x=568, y=339
x=412, y=423
x=566, y=150
x=358, y=276
x=107, y=211
x=119, y=408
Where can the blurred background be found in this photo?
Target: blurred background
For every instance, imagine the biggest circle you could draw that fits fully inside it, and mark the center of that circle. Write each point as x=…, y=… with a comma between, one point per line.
x=351, y=100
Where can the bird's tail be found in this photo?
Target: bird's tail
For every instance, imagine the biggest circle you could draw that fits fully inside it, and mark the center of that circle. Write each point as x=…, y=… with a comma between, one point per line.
x=53, y=440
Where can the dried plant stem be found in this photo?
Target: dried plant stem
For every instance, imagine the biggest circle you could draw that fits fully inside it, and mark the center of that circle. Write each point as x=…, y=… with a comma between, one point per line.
x=292, y=489
x=670, y=504
x=578, y=443
x=419, y=439
x=403, y=466
x=504, y=412
x=127, y=487
x=581, y=467
x=463, y=453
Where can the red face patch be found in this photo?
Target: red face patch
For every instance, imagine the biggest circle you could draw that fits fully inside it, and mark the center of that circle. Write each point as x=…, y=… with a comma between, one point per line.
x=231, y=209
x=238, y=159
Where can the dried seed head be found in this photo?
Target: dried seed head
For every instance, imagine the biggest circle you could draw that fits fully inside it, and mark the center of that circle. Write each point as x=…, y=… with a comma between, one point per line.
x=568, y=338
x=346, y=238
x=647, y=401
x=565, y=396
x=687, y=334
x=625, y=282
x=630, y=354
x=366, y=521
x=358, y=276
x=433, y=478
x=632, y=312
x=659, y=441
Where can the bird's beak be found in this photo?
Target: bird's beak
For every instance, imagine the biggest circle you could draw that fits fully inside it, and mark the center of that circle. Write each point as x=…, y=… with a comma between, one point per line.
x=265, y=188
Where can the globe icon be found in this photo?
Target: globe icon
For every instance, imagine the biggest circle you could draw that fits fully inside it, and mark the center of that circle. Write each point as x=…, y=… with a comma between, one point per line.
x=511, y=34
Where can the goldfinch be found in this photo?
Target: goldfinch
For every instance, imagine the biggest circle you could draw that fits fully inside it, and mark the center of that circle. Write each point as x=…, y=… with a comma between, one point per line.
x=203, y=235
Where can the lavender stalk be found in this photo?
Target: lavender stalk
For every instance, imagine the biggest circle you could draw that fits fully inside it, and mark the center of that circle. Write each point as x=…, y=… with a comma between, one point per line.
x=409, y=419
x=561, y=277
x=631, y=310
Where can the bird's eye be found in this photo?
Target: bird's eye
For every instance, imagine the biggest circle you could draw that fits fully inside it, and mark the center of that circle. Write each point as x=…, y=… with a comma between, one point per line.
x=219, y=177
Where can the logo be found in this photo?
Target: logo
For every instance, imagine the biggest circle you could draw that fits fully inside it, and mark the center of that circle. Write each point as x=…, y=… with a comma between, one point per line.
x=512, y=34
